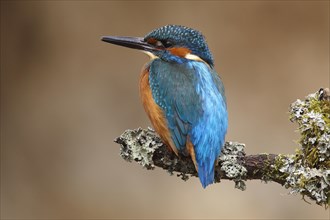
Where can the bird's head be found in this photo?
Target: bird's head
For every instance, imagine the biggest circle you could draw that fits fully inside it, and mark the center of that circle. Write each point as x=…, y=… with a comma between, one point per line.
x=172, y=43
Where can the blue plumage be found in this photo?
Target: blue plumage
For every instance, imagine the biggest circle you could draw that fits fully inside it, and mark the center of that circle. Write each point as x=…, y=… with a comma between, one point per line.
x=192, y=96
x=188, y=109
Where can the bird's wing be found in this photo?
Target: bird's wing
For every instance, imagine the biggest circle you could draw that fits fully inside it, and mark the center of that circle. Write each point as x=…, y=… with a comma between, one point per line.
x=174, y=90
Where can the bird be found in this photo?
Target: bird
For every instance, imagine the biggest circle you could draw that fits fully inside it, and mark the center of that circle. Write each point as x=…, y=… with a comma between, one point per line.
x=182, y=94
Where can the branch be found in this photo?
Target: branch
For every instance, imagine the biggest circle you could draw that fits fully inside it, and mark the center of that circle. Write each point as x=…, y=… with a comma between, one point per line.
x=306, y=172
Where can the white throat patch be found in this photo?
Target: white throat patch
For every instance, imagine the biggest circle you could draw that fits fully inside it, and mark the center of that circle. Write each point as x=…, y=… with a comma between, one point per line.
x=150, y=55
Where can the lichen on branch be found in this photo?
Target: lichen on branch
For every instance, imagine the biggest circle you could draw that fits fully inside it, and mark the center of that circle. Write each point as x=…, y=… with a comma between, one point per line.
x=306, y=172
x=309, y=168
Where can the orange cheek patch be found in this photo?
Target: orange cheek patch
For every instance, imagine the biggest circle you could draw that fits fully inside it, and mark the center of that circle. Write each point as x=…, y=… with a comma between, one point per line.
x=179, y=51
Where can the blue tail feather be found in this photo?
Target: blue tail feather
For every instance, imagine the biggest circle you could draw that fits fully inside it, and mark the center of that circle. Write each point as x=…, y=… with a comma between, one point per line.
x=206, y=173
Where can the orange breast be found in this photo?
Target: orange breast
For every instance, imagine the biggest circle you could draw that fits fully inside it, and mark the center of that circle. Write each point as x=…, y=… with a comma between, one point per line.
x=191, y=151
x=154, y=112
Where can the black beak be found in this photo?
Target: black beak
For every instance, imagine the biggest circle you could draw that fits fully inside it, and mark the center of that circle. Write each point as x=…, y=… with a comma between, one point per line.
x=130, y=42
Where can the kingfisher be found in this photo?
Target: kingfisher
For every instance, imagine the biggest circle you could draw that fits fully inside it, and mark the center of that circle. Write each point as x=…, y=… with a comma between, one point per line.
x=182, y=94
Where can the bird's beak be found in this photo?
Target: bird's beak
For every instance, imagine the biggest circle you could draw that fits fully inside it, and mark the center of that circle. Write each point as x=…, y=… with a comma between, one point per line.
x=130, y=42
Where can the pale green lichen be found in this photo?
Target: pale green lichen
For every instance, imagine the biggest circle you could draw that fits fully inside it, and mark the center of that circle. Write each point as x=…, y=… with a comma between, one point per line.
x=309, y=169
x=231, y=165
x=137, y=145
x=273, y=171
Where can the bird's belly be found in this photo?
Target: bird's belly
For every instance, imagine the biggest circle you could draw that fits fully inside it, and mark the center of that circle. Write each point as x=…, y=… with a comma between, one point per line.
x=154, y=112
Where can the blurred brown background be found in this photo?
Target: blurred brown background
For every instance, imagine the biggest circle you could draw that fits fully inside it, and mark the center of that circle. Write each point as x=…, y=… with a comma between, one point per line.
x=65, y=96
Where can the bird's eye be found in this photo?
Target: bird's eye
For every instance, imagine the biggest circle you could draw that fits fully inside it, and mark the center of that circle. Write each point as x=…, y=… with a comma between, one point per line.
x=167, y=44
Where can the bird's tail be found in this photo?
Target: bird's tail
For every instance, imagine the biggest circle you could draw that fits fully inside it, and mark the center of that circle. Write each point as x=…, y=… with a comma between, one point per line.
x=206, y=172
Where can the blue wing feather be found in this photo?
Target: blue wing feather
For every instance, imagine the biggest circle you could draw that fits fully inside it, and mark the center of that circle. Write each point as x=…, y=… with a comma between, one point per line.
x=192, y=97
x=171, y=86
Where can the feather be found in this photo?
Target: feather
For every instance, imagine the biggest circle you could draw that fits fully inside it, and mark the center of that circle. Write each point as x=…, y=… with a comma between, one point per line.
x=192, y=98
